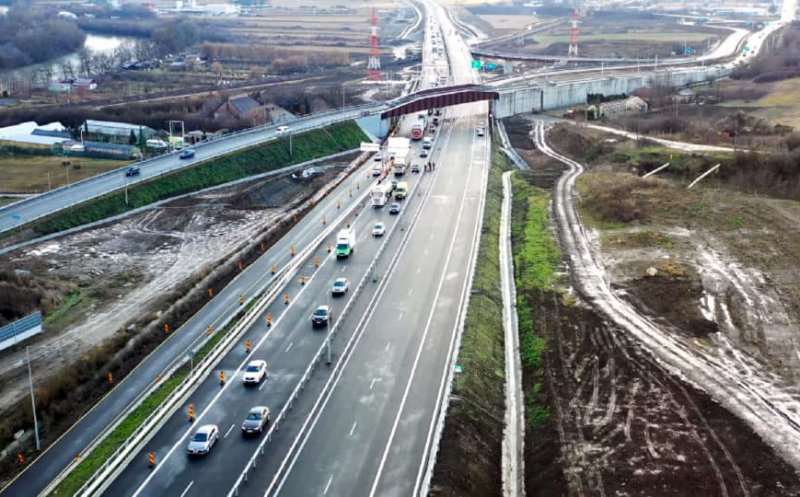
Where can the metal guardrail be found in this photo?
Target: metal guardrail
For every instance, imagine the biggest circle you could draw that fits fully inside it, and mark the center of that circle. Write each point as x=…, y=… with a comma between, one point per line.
x=105, y=475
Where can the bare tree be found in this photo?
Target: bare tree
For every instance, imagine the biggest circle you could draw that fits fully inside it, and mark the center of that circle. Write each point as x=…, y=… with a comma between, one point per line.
x=85, y=58
x=67, y=70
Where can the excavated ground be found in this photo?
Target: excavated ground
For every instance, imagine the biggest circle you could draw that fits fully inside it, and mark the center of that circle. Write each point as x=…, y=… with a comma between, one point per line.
x=725, y=275
x=124, y=271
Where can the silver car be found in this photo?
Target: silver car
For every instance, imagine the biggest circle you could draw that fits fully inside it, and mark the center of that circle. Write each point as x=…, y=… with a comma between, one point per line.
x=256, y=420
x=203, y=440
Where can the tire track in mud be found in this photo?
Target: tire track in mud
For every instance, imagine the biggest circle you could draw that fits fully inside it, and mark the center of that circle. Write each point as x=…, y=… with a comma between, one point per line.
x=627, y=425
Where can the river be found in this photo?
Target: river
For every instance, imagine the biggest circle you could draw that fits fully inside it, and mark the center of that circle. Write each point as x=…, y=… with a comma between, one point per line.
x=96, y=44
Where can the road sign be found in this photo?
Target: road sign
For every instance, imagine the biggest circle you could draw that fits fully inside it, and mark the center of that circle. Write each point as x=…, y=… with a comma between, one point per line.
x=490, y=67
x=370, y=147
x=476, y=64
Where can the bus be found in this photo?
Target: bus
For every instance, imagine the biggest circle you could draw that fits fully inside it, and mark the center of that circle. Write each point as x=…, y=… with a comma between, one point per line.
x=418, y=128
x=380, y=194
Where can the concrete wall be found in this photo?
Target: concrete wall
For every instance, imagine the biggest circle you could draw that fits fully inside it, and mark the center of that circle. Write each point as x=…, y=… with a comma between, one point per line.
x=541, y=96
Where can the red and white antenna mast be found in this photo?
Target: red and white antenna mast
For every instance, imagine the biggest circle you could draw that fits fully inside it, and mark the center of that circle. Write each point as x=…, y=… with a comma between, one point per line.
x=374, y=62
x=573, y=35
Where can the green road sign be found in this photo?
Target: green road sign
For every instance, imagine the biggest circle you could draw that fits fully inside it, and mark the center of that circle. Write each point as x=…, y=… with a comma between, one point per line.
x=476, y=64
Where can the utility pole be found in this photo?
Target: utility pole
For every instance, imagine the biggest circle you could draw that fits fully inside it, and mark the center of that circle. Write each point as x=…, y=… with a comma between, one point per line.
x=33, y=400
x=126, y=190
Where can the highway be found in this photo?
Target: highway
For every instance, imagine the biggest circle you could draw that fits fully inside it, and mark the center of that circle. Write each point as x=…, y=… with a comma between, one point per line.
x=35, y=207
x=215, y=313
x=377, y=410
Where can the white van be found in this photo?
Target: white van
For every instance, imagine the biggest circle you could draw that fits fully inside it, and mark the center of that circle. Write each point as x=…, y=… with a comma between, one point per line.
x=281, y=130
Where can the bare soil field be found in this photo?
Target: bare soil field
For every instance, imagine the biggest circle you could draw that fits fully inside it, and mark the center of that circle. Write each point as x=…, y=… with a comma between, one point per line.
x=25, y=173
x=623, y=35
x=713, y=265
x=122, y=272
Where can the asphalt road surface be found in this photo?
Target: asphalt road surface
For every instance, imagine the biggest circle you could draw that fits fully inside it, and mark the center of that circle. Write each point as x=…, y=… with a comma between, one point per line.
x=224, y=305
x=32, y=208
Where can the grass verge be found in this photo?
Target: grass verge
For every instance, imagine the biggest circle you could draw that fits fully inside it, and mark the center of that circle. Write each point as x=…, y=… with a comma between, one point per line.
x=237, y=165
x=470, y=453
x=95, y=460
x=536, y=257
x=26, y=173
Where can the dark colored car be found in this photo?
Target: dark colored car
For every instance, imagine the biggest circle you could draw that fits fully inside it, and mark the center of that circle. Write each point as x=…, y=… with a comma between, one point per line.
x=256, y=419
x=187, y=154
x=321, y=316
x=132, y=171
x=423, y=153
x=394, y=208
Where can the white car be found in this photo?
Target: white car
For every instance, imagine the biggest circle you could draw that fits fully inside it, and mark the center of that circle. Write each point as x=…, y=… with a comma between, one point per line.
x=340, y=286
x=281, y=130
x=378, y=157
x=255, y=372
x=203, y=440
x=255, y=421
x=378, y=229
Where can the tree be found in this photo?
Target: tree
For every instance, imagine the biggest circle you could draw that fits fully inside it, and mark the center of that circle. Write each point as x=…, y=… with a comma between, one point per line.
x=132, y=138
x=174, y=36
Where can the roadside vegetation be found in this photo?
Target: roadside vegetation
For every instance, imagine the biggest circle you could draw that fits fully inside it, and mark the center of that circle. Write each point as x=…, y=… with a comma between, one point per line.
x=539, y=303
x=30, y=35
x=263, y=158
x=469, y=458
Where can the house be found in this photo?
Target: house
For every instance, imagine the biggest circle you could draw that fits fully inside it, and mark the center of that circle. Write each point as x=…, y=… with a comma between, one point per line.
x=116, y=131
x=685, y=96
x=109, y=150
x=85, y=84
x=630, y=105
x=237, y=107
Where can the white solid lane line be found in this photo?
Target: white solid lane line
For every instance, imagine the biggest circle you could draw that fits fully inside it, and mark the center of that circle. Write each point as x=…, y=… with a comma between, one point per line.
x=328, y=485
x=186, y=491
x=388, y=344
x=229, y=431
x=289, y=347
x=372, y=383
x=352, y=429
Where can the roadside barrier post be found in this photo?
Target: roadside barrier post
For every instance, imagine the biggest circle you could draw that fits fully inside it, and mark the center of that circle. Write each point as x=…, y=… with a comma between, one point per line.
x=269, y=319
x=241, y=299
x=350, y=192
x=151, y=458
x=221, y=378
x=324, y=219
x=338, y=204
x=294, y=218
x=316, y=262
x=273, y=269
x=210, y=331
x=20, y=458
x=247, y=346
x=348, y=221
x=210, y=292
x=292, y=251
x=302, y=279
x=191, y=413
x=110, y=378
x=329, y=248
x=263, y=248
x=286, y=298
x=166, y=327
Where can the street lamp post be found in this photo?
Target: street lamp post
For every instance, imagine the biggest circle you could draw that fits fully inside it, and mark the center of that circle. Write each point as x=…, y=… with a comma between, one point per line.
x=33, y=400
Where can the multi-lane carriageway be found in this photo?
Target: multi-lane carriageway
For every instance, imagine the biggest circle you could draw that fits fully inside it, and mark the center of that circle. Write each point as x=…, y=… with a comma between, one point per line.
x=364, y=425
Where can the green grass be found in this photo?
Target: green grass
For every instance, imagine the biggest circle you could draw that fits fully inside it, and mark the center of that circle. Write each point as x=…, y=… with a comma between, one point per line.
x=536, y=258
x=481, y=356
x=90, y=464
x=237, y=165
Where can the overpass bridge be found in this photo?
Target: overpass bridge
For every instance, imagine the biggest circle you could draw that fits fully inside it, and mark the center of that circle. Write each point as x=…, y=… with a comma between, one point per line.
x=438, y=97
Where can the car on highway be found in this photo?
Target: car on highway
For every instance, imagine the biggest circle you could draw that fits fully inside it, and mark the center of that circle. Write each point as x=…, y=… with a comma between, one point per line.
x=378, y=229
x=340, y=286
x=321, y=316
x=133, y=171
x=423, y=153
x=281, y=130
x=394, y=208
x=203, y=440
x=255, y=372
x=480, y=130
x=394, y=184
x=415, y=167
x=255, y=421
x=378, y=157
x=187, y=154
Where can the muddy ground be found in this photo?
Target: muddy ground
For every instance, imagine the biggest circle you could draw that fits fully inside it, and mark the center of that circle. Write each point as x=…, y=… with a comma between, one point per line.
x=718, y=267
x=124, y=272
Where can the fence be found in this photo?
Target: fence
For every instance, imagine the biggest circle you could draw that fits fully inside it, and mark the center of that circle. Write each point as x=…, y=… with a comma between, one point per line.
x=19, y=330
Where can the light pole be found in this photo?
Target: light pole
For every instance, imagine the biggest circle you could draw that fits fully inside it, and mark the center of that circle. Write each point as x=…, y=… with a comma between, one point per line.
x=290, y=143
x=126, y=190
x=33, y=400
x=66, y=168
